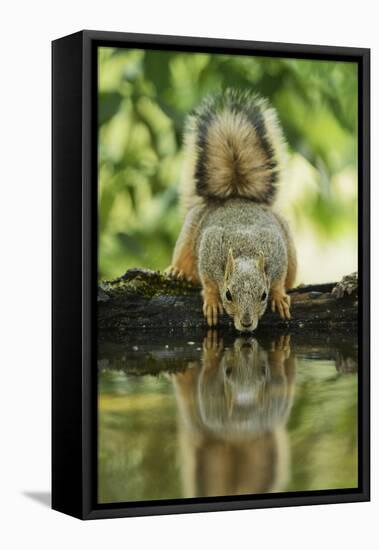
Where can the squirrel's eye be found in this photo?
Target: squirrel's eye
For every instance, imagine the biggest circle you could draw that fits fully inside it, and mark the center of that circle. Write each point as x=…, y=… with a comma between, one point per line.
x=264, y=296
x=228, y=296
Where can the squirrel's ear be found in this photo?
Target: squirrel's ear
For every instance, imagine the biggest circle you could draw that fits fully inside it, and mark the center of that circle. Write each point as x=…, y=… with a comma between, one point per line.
x=229, y=264
x=261, y=262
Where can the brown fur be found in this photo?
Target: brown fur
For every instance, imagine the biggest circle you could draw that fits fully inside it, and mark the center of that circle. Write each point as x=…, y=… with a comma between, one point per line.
x=232, y=169
x=237, y=163
x=212, y=305
x=234, y=150
x=184, y=263
x=229, y=459
x=291, y=252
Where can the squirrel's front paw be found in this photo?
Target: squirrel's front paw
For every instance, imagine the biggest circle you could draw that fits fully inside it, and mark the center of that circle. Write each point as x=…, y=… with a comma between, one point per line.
x=176, y=273
x=281, y=302
x=211, y=308
x=282, y=344
x=212, y=342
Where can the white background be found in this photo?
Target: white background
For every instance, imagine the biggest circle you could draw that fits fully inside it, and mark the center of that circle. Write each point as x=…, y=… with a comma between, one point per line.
x=27, y=29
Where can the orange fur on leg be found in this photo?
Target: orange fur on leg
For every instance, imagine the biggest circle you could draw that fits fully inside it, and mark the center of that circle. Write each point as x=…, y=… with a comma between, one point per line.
x=292, y=262
x=291, y=252
x=184, y=264
x=212, y=305
x=280, y=301
x=184, y=260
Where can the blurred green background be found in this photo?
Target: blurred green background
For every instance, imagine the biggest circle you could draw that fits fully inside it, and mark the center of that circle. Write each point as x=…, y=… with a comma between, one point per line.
x=144, y=96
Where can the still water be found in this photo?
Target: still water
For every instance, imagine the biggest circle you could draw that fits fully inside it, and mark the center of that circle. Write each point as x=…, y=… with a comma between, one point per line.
x=207, y=414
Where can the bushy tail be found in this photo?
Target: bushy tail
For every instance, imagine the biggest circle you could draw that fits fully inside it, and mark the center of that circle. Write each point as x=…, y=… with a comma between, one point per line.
x=234, y=147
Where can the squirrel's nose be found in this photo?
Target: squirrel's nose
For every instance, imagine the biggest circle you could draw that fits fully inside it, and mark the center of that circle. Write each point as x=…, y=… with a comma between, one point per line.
x=245, y=319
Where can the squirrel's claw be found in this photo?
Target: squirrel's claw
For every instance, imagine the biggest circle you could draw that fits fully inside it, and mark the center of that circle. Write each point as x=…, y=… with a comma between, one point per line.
x=210, y=311
x=212, y=342
x=282, y=344
x=175, y=273
x=281, y=303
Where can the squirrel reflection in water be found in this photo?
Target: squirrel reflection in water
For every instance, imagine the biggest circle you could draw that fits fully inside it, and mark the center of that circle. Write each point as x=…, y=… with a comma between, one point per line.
x=233, y=411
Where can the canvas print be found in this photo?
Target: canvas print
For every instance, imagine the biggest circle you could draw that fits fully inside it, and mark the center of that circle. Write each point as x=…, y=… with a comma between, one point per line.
x=227, y=338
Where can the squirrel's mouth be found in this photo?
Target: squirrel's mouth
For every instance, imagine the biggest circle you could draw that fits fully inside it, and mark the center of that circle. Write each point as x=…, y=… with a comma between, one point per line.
x=243, y=327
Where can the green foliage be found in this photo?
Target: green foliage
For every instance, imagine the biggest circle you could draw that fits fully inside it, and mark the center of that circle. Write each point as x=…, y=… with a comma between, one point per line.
x=143, y=99
x=323, y=428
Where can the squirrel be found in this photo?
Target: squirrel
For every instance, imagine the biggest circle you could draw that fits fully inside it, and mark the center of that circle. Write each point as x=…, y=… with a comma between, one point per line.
x=232, y=243
x=233, y=407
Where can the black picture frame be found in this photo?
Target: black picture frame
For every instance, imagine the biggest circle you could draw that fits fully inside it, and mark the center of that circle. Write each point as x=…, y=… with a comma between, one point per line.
x=74, y=206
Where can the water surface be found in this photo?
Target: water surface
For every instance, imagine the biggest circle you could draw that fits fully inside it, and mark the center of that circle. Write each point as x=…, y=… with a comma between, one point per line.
x=207, y=414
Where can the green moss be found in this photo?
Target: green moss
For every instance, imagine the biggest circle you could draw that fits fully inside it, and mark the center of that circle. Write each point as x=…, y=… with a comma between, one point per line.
x=147, y=283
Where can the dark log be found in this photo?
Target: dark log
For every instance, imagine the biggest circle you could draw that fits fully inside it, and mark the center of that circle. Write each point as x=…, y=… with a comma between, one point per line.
x=143, y=299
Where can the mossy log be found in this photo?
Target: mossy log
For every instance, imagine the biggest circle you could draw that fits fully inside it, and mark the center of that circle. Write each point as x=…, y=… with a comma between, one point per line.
x=144, y=299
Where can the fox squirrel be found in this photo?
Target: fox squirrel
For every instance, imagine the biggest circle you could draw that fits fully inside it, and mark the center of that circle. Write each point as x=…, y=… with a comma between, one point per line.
x=232, y=242
x=233, y=408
